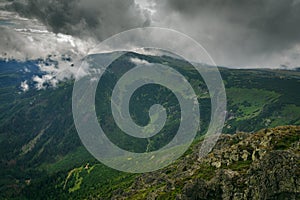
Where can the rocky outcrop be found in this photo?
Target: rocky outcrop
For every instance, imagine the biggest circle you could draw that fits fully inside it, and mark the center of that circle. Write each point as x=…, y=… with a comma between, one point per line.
x=264, y=165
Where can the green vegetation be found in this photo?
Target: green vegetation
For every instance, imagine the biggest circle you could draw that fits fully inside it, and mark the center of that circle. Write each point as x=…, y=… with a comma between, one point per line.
x=239, y=165
x=288, y=114
x=249, y=103
x=42, y=156
x=73, y=159
x=286, y=141
x=205, y=172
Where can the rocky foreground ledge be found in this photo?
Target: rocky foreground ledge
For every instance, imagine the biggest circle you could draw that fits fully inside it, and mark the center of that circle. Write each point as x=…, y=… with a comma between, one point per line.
x=264, y=165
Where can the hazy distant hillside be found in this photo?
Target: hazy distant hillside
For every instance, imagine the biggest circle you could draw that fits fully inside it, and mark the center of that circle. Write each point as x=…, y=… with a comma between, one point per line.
x=40, y=151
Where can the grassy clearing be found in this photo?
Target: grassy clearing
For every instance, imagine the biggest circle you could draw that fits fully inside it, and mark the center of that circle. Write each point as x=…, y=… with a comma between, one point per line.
x=286, y=142
x=75, y=158
x=239, y=166
x=250, y=102
x=288, y=115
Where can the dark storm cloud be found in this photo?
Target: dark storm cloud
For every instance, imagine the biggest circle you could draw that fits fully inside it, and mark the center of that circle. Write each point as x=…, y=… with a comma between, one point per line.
x=235, y=32
x=96, y=18
x=276, y=19
x=243, y=30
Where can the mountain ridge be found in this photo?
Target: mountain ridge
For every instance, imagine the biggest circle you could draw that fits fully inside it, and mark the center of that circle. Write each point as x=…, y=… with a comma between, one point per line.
x=257, y=99
x=263, y=165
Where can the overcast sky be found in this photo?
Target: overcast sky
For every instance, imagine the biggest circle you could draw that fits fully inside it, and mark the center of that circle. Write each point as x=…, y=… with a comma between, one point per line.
x=236, y=33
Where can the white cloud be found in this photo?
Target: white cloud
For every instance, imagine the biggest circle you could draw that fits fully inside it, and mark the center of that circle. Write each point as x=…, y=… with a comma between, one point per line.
x=26, y=70
x=24, y=86
x=147, y=5
x=42, y=82
x=138, y=61
x=27, y=39
x=155, y=52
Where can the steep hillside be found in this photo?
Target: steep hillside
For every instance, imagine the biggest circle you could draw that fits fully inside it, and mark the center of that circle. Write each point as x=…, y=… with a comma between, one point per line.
x=264, y=165
x=41, y=153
